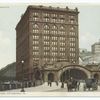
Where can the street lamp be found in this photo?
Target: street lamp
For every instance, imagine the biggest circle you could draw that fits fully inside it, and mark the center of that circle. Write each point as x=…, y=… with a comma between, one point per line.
x=22, y=90
x=69, y=74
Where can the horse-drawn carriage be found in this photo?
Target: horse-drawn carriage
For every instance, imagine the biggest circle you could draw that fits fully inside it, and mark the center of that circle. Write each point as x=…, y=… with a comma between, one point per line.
x=91, y=84
x=73, y=85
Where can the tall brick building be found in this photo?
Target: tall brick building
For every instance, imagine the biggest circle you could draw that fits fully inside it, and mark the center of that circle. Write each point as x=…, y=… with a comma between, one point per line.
x=46, y=35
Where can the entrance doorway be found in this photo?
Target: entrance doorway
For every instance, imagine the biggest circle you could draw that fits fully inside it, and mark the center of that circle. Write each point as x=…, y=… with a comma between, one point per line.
x=51, y=77
x=74, y=73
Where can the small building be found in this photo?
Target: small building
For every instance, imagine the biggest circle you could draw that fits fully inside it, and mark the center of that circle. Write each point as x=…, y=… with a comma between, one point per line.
x=96, y=48
x=8, y=73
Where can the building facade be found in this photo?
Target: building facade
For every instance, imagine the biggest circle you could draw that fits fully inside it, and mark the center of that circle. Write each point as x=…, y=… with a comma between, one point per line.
x=96, y=48
x=46, y=35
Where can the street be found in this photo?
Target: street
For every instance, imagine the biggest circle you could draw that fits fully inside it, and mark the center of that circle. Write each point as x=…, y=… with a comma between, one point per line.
x=46, y=88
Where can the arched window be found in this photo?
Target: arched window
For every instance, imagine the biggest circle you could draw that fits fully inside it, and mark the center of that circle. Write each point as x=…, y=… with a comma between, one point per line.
x=54, y=27
x=46, y=29
x=72, y=28
x=62, y=30
x=35, y=28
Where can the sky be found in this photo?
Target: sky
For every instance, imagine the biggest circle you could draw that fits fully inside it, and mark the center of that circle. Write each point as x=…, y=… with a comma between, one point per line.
x=10, y=14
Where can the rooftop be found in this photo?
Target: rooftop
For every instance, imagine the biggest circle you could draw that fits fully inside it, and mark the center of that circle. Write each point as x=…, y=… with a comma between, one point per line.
x=53, y=8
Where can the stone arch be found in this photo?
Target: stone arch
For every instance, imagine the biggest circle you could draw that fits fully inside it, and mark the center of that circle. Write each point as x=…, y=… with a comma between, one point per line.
x=72, y=28
x=46, y=27
x=35, y=26
x=96, y=76
x=62, y=28
x=79, y=69
x=51, y=77
x=37, y=74
x=54, y=27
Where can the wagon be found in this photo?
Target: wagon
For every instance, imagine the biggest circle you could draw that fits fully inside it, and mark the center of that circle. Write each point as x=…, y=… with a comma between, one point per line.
x=73, y=85
x=90, y=84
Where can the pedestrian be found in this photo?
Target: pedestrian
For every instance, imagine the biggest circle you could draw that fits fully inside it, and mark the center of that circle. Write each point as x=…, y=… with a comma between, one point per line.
x=50, y=83
x=57, y=83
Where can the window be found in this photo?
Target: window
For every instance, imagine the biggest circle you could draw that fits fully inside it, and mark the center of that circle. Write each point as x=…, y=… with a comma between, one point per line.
x=72, y=44
x=62, y=44
x=62, y=49
x=35, y=28
x=35, y=16
x=35, y=42
x=62, y=54
x=54, y=43
x=62, y=18
x=54, y=38
x=46, y=29
x=46, y=37
x=54, y=29
x=46, y=43
x=35, y=48
x=72, y=39
x=35, y=53
x=62, y=30
x=35, y=37
x=72, y=28
x=72, y=33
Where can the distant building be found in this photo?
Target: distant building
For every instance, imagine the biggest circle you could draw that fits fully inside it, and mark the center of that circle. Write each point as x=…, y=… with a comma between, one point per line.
x=46, y=35
x=96, y=48
x=8, y=73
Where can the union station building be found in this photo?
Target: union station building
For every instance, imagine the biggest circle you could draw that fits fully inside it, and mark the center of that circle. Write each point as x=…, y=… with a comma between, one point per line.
x=47, y=41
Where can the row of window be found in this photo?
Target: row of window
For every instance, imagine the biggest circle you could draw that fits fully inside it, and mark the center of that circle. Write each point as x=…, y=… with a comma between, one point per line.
x=53, y=15
x=72, y=54
x=62, y=38
x=35, y=42
x=49, y=14
x=71, y=21
x=54, y=29
x=53, y=43
x=47, y=19
x=35, y=53
x=55, y=49
x=72, y=49
x=35, y=47
x=72, y=39
x=35, y=37
x=62, y=44
x=72, y=44
x=47, y=27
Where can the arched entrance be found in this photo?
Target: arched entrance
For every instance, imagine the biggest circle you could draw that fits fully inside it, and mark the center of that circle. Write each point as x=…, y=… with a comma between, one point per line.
x=96, y=76
x=37, y=75
x=73, y=72
x=51, y=77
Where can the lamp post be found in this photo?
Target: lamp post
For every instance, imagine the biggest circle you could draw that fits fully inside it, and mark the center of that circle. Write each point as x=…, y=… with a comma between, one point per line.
x=69, y=74
x=22, y=90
